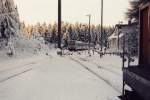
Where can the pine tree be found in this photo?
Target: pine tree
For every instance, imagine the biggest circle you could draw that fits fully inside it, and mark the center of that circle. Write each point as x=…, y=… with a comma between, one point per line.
x=133, y=11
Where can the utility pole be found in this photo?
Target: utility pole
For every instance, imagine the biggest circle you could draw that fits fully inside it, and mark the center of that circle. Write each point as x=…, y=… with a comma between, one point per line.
x=59, y=24
x=101, y=28
x=89, y=31
x=123, y=66
x=120, y=23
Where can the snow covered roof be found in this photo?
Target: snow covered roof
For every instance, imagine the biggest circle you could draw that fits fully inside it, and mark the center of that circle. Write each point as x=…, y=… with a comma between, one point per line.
x=121, y=30
x=113, y=36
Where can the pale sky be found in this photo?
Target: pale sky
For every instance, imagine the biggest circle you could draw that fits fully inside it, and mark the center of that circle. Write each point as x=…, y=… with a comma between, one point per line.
x=33, y=11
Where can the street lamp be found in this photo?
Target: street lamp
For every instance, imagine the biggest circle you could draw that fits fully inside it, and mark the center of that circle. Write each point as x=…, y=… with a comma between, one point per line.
x=89, y=31
x=59, y=24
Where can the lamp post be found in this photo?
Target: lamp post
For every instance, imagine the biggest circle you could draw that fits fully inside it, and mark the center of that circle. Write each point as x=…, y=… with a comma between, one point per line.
x=89, y=31
x=101, y=28
x=59, y=24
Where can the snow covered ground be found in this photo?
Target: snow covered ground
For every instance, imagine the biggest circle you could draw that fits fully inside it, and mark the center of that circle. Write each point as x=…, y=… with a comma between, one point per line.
x=70, y=77
x=109, y=68
x=30, y=70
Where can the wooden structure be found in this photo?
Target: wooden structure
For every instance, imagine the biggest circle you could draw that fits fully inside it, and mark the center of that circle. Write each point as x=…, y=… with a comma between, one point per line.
x=145, y=35
x=138, y=77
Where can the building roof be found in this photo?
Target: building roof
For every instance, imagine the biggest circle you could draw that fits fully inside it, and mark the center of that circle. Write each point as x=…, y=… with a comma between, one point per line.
x=121, y=30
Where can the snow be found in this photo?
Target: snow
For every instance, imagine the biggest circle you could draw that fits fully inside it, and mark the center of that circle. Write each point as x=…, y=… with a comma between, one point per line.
x=36, y=72
x=108, y=69
x=42, y=77
x=23, y=47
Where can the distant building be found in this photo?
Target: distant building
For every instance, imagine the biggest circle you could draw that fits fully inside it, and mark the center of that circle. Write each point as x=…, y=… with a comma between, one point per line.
x=121, y=30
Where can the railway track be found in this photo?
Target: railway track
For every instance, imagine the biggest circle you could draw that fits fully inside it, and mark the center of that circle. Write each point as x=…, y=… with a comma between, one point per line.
x=104, y=68
x=100, y=67
x=24, y=65
x=22, y=69
x=15, y=75
x=96, y=74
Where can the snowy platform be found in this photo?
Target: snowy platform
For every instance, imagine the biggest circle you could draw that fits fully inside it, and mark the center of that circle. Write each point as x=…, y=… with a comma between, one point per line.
x=54, y=77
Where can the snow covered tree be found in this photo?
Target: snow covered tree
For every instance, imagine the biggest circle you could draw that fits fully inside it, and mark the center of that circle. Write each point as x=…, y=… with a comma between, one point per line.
x=9, y=23
x=70, y=31
x=54, y=33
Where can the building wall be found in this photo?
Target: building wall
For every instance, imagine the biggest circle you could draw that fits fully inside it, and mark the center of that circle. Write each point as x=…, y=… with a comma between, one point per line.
x=145, y=36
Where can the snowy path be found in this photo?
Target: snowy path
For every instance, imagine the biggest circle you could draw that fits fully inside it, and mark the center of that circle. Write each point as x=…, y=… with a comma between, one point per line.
x=15, y=67
x=56, y=78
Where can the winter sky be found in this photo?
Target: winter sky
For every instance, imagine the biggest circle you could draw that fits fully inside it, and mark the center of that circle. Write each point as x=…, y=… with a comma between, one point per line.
x=33, y=11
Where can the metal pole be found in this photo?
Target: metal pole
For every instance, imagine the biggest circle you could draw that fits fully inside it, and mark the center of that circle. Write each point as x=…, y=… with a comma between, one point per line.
x=120, y=23
x=118, y=39
x=59, y=24
x=123, y=66
x=101, y=28
x=89, y=36
x=89, y=31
